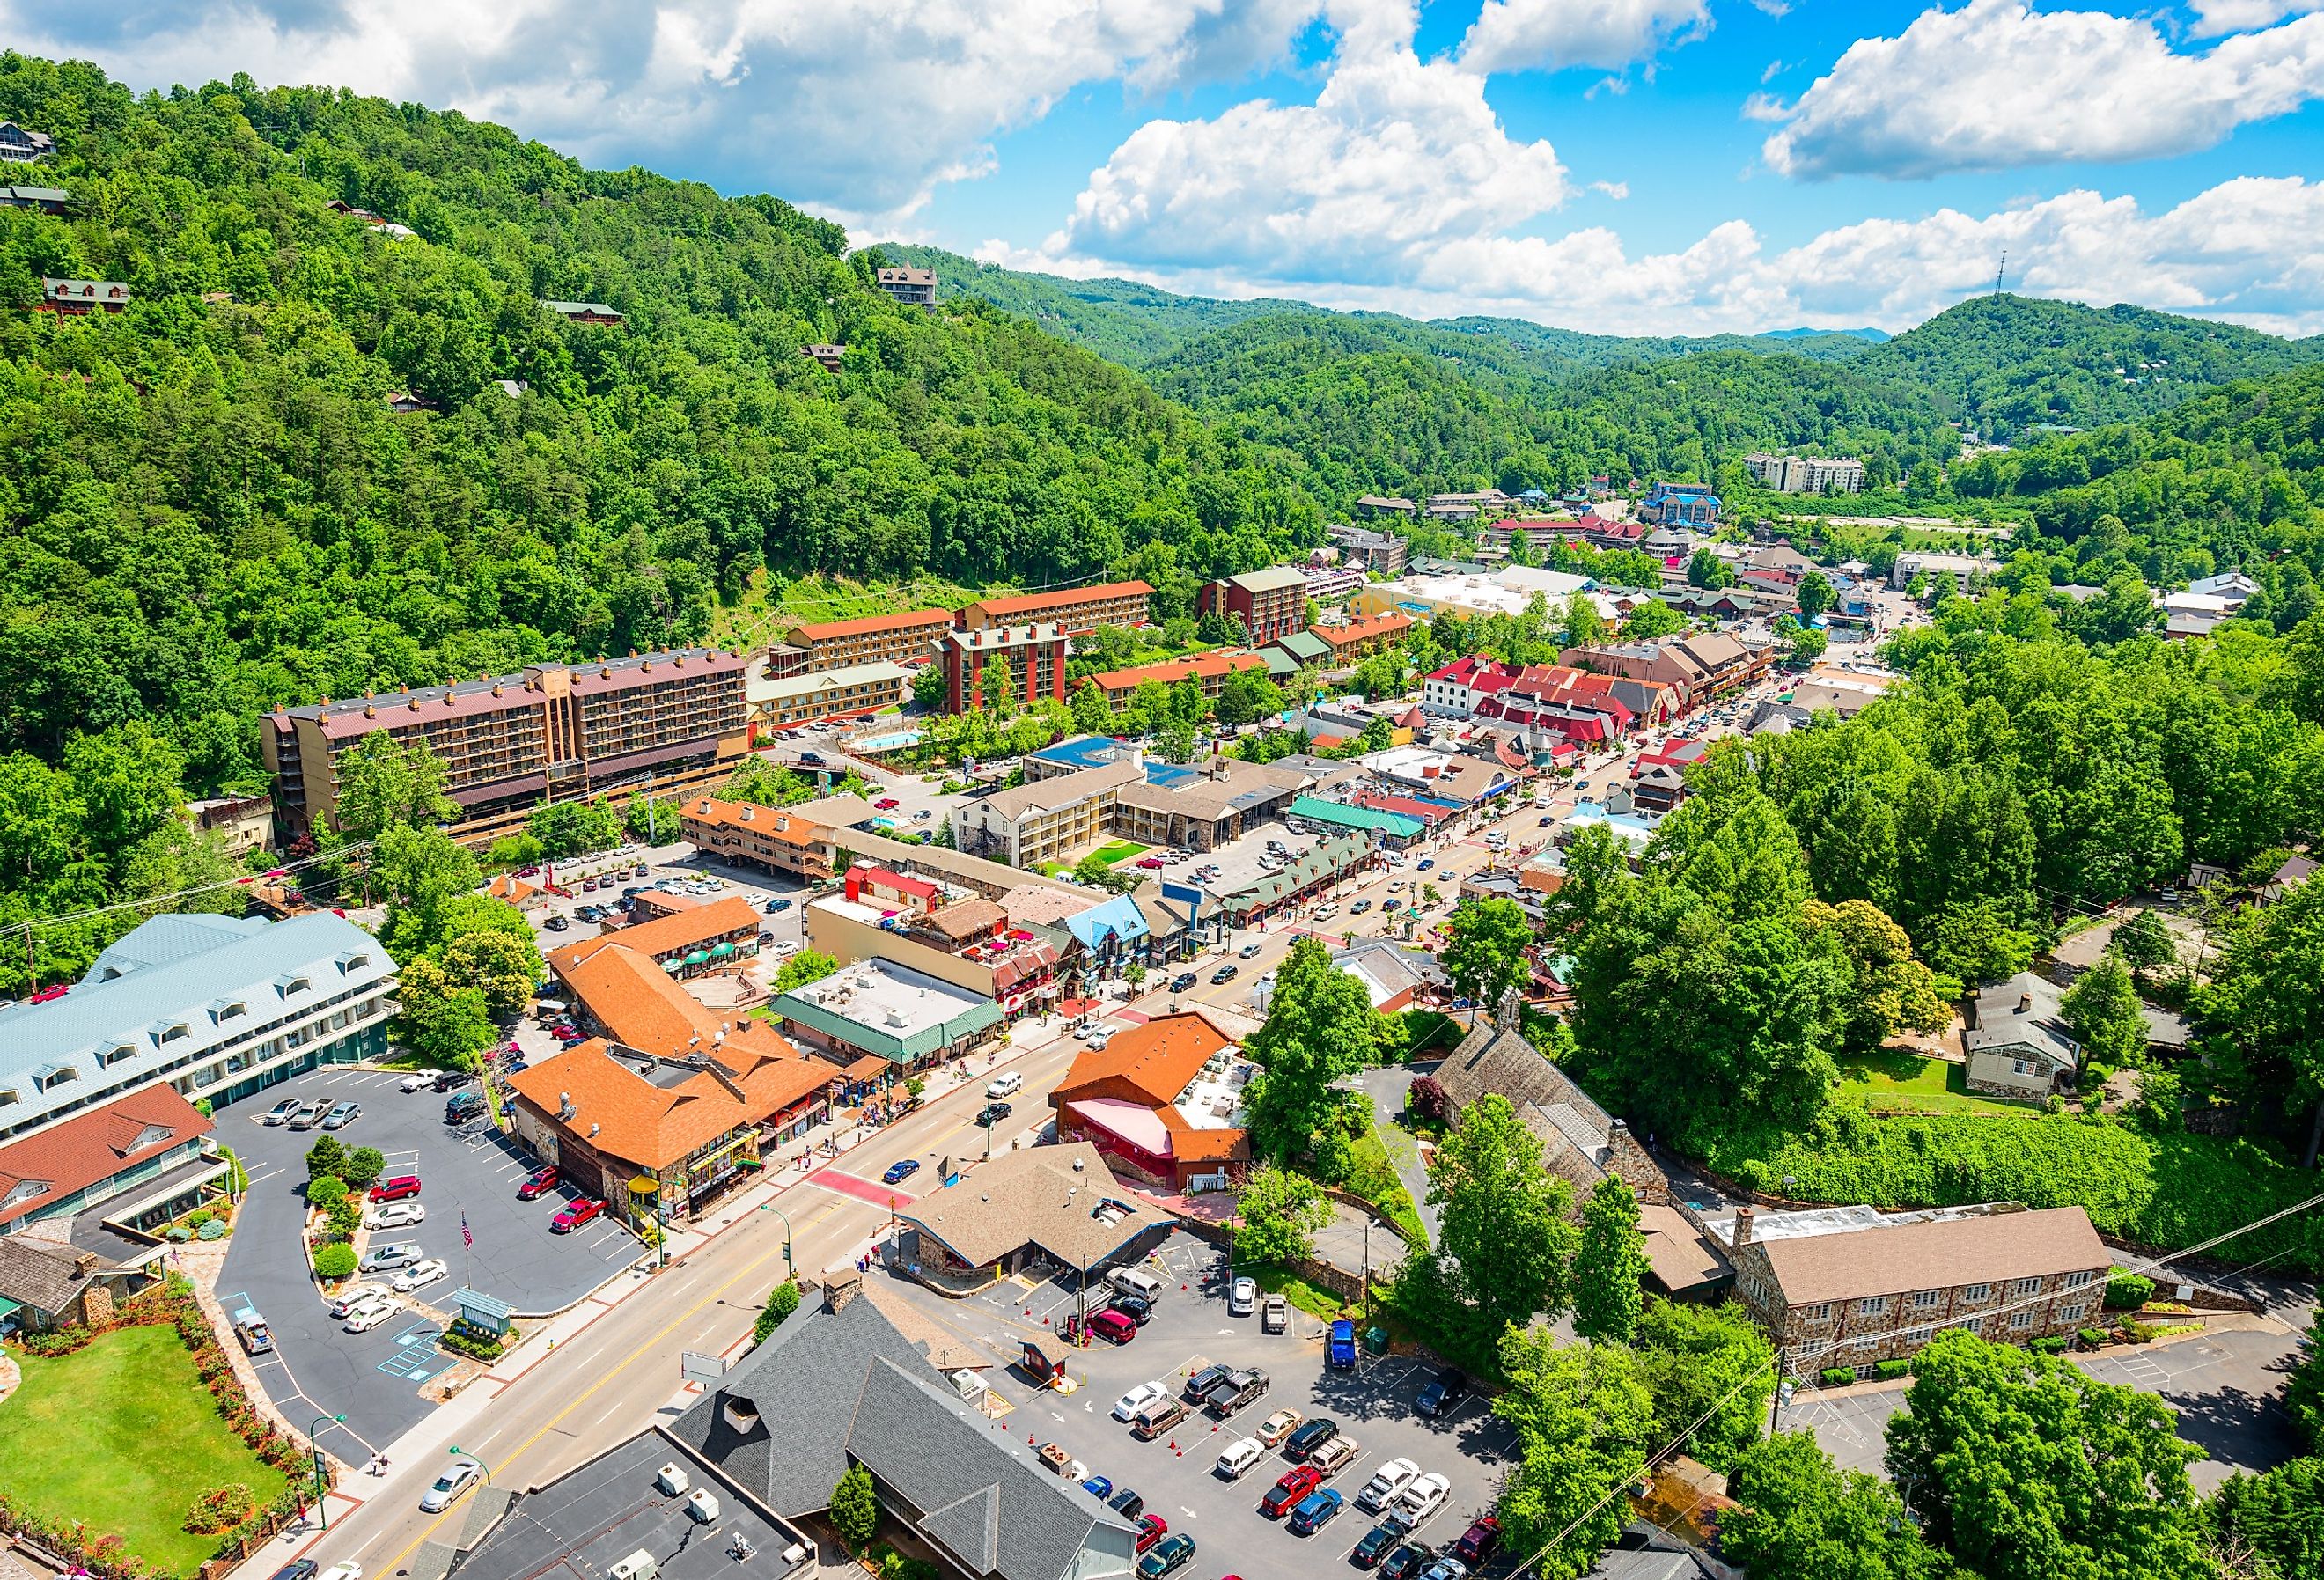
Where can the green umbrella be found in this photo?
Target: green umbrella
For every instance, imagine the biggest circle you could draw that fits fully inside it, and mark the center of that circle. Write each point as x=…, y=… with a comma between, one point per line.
x=720, y=951
x=697, y=958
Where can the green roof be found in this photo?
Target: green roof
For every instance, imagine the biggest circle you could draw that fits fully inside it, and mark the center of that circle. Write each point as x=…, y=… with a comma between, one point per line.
x=976, y=1017
x=1304, y=646
x=1394, y=824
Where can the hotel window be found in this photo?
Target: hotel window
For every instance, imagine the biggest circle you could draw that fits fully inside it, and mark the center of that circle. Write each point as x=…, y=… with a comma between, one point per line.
x=2079, y=1280
x=1819, y=1312
x=2018, y=1319
x=1916, y=1336
x=1873, y=1306
x=1972, y=1325
x=1977, y=1292
x=1927, y=1297
x=2069, y=1313
x=2025, y=1286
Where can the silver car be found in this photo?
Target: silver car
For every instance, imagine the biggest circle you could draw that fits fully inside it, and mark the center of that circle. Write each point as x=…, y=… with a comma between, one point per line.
x=1243, y=1298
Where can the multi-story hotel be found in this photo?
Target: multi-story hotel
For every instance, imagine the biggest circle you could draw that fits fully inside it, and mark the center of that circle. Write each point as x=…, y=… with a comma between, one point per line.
x=1077, y=611
x=859, y=689
x=773, y=837
x=1270, y=602
x=909, y=638
x=1806, y=473
x=1035, y=656
x=508, y=740
x=1209, y=670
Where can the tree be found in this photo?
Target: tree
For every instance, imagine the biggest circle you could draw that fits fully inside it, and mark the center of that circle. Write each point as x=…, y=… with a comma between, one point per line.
x=1651, y=619
x=931, y=687
x=1707, y=570
x=1091, y=714
x=384, y=784
x=327, y=1156
x=1485, y=950
x=506, y=970
x=2270, y=1526
x=2303, y=1395
x=570, y=829
x=326, y=1190
x=1582, y=624
x=782, y=1301
x=444, y=1023
x=1583, y=1418
x=1246, y=696
x=419, y=872
x=806, y=965
x=1608, y=1265
x=1380, y=675
x=2145, y=943
x=362, y=1168
x=2103, y=1009
x=335, y=1262
x=1893, y=992
x=511, y=851
x=1503, y=1226
x=2027, y=1468
x=1709, y=1368
x=996, y=687
x=2263, y=991
x=854, y=1509
x=1814, y=594
x=1281, y=1213
x=1808, y=645
x=1805, y=1518
x=1320, y=1026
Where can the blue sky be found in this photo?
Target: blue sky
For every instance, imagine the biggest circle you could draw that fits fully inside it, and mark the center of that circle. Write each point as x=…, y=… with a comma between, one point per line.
x=1628, y=165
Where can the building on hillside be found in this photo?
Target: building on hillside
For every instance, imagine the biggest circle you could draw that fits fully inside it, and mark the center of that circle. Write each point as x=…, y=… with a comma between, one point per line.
x=1446, y=776
x=1690, y=504
x=1334, y=857
x=45, y=1285
x=1046, y=820
x=1210, y=669
x=1381, y=553
x=1581, y=1144
x=1806, y=473
x=1162, y=1102
x=1464, y=507
x=583, y=312
x=1286, y=656
x=774, y=839
x=1861, y=1287
x=1703, y=667
x=1382, y=504
x=1269, y=603
x=826, y=356
x=1327, y=582
x=1351, y=641
x=1395, y=977
x=44, y=199
x=1075, y=611
x=912, y=286
x=2017, y=1041
x=1055, y=1206
x=79, y=298
x=110, y=1178
x=219, y=1007
x=878, y=1008
x=1474, y=591
x=1960, y=568
x=909, y=638
x=20, y=146
x=1033, y=658
x=849, y=693
x=506, y=742
x=245, y=823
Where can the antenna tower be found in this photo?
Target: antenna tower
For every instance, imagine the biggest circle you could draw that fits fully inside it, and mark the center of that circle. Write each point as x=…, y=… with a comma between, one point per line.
x=2000, y=270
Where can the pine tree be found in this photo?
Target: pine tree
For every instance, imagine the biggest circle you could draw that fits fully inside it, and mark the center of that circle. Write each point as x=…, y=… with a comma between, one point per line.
x=1607, y=1267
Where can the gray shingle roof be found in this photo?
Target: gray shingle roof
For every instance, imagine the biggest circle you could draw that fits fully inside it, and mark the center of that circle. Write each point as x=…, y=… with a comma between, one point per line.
x=1999, y=1022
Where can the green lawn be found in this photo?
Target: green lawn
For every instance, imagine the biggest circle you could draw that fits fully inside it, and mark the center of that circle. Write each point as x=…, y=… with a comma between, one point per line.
x=1893, y=1081
x=1375, y=1178
x=1118, y=850
x=123, y=1437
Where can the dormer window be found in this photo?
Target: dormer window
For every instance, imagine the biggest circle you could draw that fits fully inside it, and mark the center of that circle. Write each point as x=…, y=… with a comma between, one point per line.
x=167, y=1032
x=152, y=1135
x=49, y=1077
x=353, y=960
x=291, y=981
x=116, y=1054
x=224, y=1010
x=25, y=1190
x=10, y=1096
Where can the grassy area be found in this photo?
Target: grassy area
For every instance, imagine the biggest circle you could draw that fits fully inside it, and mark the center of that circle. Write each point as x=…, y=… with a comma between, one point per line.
x=122, y=1437
x=1374, y=1178
x=1118, y=850
x=1894, y=1081
x=1305, y=1295
x=758, y=616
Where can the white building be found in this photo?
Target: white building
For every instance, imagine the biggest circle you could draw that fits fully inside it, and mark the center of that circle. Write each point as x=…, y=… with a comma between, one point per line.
x=1806, y=473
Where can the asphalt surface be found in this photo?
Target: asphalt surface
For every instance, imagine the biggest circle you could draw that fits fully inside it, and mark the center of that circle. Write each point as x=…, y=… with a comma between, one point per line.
x=376, y=1379
x=1176, y=1473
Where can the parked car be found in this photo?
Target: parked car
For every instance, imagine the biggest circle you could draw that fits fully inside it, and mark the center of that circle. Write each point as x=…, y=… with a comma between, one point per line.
x=1442, y=1393
x=887, y=803
x=1137, y=1308
x=380, y=1259
x=1314, y=1511
x=1152, y=864
x=298, y=1569
x=462, y=1473
x=1169, y=1554
x=351, y=1297
x=304, y=1116
x=369, y=1315
x=1480, y=1541
x=1127, y=1407
x=417, y=1081
x=576, y=1214
x=777, y=907
x=1293, y=1485
x=1199, y=1386
x=1386, y=1481
x=250, y=1328
x=280, y=1112
x=1447, y=1567
x=1113, y=1326
x=1239, y=1457
x=463, y=1106
x=1238, y=1392
x=395, y=1214
x=453, y=1080
x=1376, y=1543
x=1126, y=1503
x=1162, y=1415
x=555, y=923
x=1278, y=1424
x=539, y=1183
x=899, y=1173
x=420, y=1275
x=1423, y=1497
x=1244, y=1299
x=1098, y=1486
x=396, y=1188
x=1335, y=1455
x=1311, y=1437
x=1408, y=1561
x=1184, y=982
x=1152, y=1529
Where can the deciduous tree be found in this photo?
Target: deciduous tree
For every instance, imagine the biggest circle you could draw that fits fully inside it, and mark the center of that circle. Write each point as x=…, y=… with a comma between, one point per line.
x=1485, y=948
x=1805, y=1518
x=1583, y=1420
x=1608, y=1264
x=1281, y=1211
x=1505, y=1234
x=1320, y=1026
x=1712, y=1371
x=2102, y=1007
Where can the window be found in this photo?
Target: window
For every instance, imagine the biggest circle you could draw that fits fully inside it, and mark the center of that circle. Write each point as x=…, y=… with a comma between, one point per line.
x=2080, y=1280
x=116, y=1054
x=2020, y=1320
x=1928, y=1298
x=2069, y=1313
x=1819, y=1312
x=1977, y=1292
x=2021, y=1067
x=2025, y=1286
x=1916, y=1336
x=26, y=1190
x=1972, y=1325
x=1873, y=1306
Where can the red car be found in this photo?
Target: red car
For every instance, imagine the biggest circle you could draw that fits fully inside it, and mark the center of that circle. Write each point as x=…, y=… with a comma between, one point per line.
x=1479, y=1542
x=1152, y=1529
x=887, y=803
x=397, y=1188
x=51, y=995
x=1294, y=1485
x=1152, y=864
x=537, y=1182
x=574, y=1214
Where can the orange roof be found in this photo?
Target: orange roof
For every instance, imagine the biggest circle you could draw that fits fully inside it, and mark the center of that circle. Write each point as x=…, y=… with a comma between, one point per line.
x=1202, y=665
x=508, y=886
x=788, y=827
x=654, y=1126
x=1356, y=630
x=830, y=629
x=98, y=1144
x=1152, y=1063
x=683, y=929
x=1064, y=598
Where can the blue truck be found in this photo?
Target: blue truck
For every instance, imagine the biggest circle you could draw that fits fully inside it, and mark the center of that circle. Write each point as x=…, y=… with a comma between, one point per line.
x=1340, y=1347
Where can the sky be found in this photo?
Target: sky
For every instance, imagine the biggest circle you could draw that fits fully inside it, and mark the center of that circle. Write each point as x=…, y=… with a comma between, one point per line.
x=1623, y=166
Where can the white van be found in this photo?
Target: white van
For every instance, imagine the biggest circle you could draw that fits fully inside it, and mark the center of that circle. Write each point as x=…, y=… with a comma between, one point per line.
x=1003, y=1085
x=1132, y=1281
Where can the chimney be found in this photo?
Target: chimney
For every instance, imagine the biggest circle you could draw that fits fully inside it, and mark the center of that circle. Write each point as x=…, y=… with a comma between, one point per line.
x=840, y=1285
x=86, y=1263
x=1742, y=1227
x=2025, y=1003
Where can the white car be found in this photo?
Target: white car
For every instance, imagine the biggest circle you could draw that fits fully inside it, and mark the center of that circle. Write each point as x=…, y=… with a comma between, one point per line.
x=355, y=1295
x=1240, y=1456
x=345, y=1569
x=461, y=1474
x=394, y=1214
x=1243, y=1299
x=369, y=1315
x=420, y=1275
x=781, y=947
x=417, y=1081
x=1004, y=1085
x=1386, y=1481
x=1424, y=1497
x=1127, y=1407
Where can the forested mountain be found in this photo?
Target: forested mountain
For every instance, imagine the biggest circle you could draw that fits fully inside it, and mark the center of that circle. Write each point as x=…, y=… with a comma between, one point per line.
x=2007, y=363
x=210, y=506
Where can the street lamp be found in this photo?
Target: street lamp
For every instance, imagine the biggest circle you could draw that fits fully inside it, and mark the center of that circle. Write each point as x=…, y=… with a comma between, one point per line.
x=315, y=1464
x=768, y=1206
x=458, y=1452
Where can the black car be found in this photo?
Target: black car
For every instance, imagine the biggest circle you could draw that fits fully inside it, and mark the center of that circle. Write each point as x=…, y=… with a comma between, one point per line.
x=297, y=1569
x=1133, y=1307
x=1443, y=1393
x=1408, y=1561
x=1375, y=1544
x=1310, y=1437
x=1226, y=973
x=1183, y=981
x=1199, y=1386
x=994, y=1113
x=555, y=923
x=1126, y=1503
x=446, y=1080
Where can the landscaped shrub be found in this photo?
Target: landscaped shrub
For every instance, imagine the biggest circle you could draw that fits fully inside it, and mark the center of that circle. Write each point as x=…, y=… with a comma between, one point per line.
x=2091, y=1338
x=213, y=1230
x=2048, y=1345
x=220, y=1509
x=2128, y=1291
x=362, y=1168
x=2137, y=1333
x=326, y=1156
x=62, y=1341
x=1836, y=1376
x=344, y=1219
x=1889, y=1371
x=465, y=1339
x=334, y=1262
x=326, y=1191
x=197, y=1217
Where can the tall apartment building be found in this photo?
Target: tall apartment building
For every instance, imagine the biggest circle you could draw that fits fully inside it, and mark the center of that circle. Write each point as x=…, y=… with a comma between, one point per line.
x=908, y=638
x=1077, y=611
x=1806, y=473
x=1035, y=655
x=1381, y=551
x=509, y=740
x=912, y=287
x=1270, y=602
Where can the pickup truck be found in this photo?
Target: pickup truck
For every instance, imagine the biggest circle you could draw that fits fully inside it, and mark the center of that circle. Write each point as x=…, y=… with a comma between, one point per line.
x=1275, y=1315
x=1340, y=1347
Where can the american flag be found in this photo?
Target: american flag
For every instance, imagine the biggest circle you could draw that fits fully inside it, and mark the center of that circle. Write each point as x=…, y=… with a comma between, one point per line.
x=467, y=1236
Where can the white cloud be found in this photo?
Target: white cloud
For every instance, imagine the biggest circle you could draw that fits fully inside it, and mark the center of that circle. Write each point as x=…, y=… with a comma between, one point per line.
x=1618, y=190
x=2214, y=17
x=1775, y=69
x=1395, y=154
x=1996, y=84
x=1521, y=36
x=858, y=107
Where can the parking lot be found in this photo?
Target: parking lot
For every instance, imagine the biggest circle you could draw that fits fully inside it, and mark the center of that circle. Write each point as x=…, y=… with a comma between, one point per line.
x=376, y=1379
x=1175, y=1474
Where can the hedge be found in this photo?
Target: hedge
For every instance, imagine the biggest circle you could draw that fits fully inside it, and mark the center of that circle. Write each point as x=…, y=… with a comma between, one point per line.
x=2128, y=1291
x=2167, y=1191
x=334, y=1262
x=1837, y=1376
x=1889, y=1371
x=2091, y=1338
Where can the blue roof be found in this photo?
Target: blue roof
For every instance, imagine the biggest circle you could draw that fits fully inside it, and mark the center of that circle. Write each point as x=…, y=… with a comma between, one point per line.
x=1164, y=776
x=1081, y=751
x=1117, y=919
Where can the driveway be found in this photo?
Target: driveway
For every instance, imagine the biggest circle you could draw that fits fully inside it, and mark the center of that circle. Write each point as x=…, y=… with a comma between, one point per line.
x=378, y=1379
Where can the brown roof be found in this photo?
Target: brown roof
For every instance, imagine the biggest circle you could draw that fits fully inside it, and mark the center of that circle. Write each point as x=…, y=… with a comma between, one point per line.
x=681, y=930
x=1064, y=598
x=45, y=1278
x=1042, y=1195
x=966, y=919
x=1153, y=1062
x=1901, y=1257
x=1681, y=1256
x=654, y=1126
x=97, y=1145
x=829, y=629
x=1041, y=902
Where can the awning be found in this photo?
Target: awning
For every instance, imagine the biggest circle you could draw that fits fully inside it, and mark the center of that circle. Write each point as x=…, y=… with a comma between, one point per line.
x=698, y=957
x=672, y=963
